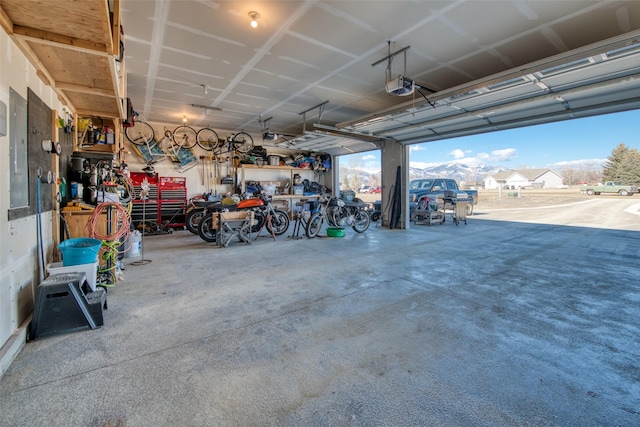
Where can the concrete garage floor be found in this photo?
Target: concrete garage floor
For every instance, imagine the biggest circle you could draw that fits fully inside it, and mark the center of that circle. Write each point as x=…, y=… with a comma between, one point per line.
x=495, y=323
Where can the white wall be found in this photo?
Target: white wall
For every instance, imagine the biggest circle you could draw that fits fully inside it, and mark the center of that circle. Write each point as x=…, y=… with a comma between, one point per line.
x=196, y=184
x=490, y=183
x=550, y=180
x=19, y=274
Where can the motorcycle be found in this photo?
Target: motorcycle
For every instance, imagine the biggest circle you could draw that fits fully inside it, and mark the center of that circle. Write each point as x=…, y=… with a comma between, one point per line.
x=276, y=220
x=339, y=213
x=196, y=210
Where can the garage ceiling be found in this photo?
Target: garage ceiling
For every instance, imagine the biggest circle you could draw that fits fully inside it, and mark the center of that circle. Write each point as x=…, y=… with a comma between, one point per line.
x=306, y=71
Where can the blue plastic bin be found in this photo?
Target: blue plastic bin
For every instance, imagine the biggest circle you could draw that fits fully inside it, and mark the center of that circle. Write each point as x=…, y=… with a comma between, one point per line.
x=79, y=251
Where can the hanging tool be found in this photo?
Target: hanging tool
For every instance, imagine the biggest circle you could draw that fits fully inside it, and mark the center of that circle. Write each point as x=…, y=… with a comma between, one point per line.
x=228, y=180
x=203, y=163
x=212, y=172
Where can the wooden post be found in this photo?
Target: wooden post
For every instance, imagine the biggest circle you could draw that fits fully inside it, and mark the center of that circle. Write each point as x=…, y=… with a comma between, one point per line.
x=55, y=168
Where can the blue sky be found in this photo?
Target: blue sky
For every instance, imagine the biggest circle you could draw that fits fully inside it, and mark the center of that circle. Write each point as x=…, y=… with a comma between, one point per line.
x=556, y=145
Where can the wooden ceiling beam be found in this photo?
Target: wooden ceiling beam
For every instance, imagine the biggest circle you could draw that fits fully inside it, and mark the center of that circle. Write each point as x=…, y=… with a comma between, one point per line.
x=5, y=21
x=53, y=39
x=104, y=114
x=72, y=87
x=114, y=40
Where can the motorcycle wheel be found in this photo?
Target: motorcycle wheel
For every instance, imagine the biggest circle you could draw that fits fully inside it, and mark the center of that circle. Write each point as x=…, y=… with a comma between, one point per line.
x=313, y=226
x=279, y=222
x=193, y=218
x=206, y=230
x=362, y=221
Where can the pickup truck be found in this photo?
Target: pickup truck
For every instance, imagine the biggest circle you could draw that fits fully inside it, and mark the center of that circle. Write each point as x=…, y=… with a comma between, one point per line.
x=611, y=187
x=437, y=186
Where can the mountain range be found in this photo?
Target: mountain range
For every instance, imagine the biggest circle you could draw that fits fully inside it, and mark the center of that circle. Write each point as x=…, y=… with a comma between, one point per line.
x=464, y=174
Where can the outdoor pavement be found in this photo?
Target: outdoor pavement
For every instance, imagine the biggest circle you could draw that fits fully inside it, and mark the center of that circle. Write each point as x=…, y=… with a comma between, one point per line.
x=492, y=323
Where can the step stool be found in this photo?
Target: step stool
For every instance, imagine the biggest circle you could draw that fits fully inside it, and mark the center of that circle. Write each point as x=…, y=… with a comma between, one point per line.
x=65, y=303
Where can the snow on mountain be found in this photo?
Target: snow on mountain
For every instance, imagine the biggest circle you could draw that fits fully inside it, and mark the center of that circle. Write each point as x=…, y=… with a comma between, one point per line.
x=464, y=174
x=461, y=172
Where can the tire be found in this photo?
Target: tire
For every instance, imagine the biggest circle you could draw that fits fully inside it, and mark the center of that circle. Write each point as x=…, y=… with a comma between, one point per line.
x=141, y=133
x=259, y=219
x=469, y=209
x=279, y=222
x=243, y=142
x=590, y=192
x=207, y=139
x=193, y=218
x=313, y=226
x=185, y=137
x=205, y=230
x=362, y=221
x=375, y=217
x=624, y=193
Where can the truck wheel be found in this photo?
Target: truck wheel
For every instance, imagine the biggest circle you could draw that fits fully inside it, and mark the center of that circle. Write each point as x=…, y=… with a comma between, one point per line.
x=469, y=209
x=597, y=193
x=590, y=192
x=623, y=193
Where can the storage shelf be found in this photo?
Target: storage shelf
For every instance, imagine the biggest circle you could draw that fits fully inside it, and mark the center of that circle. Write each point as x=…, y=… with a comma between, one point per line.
x=76, y=49
x=266, y=173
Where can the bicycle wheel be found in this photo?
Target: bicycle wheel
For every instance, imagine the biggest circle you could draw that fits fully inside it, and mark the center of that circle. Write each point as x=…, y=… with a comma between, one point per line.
x=243, y=142
x=314, y=225
x=207, y=138
x=141, y=133
x=185, y=136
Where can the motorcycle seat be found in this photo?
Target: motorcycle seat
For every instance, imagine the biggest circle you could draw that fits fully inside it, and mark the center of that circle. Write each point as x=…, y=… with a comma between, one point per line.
x=204, y=203
x=217, y=206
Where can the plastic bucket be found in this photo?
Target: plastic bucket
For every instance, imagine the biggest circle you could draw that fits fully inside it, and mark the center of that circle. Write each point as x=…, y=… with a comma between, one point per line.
x=335, y=232
x=135, y=245
x=79, y=251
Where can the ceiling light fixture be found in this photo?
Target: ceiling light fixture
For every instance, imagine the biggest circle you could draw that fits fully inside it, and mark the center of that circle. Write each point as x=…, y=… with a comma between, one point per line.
x=206, y=107
x=254, y=16
x=184, y=119
x=206, y=88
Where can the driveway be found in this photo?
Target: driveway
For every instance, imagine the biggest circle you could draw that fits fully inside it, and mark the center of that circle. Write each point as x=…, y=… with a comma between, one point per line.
x=613, y=212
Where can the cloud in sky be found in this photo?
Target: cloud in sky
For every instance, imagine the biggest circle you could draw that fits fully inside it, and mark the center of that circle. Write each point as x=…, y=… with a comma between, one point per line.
x=495, y=156
x=498, y=155
x=422, y=165
x=413, y=148
x=368, y=157
x=457, y=153
x=579, y=163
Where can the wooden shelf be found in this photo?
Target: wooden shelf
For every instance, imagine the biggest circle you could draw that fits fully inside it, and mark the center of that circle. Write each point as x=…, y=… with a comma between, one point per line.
x=278, y=174
x=75, y=47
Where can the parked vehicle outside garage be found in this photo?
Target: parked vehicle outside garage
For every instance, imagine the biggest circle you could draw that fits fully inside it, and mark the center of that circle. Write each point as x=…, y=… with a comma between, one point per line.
x=611, y=187
x=437, y=186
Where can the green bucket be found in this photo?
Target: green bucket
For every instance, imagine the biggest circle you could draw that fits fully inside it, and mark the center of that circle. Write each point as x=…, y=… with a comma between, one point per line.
x=79, y=251
x=335, y=232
